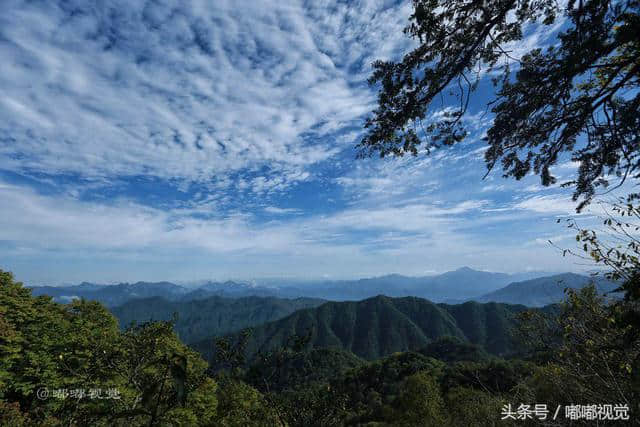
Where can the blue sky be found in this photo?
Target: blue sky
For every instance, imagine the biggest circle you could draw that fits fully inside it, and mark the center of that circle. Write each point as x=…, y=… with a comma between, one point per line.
x=177, y=140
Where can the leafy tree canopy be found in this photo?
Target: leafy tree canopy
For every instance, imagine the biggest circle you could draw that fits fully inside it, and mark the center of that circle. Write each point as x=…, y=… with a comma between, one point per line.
x=50, y=346
x=578, y=96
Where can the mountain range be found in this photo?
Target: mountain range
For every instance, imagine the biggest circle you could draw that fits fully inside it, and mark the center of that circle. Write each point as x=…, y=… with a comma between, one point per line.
x=112, y=295
x=118, y=294
x=379, y=326
x=212, y=316
x=547, y=290
x=405, y=313
x=454, y=286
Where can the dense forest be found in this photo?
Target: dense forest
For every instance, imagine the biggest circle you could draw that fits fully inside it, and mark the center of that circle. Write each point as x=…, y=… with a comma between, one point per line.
x=71, y=364
x=380, y=326
x=196, y=320
x=130, y=357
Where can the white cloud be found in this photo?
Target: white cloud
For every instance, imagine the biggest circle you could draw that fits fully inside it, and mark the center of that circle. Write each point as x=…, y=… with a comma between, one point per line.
x=534, y=188
x=236, y=98
x=552, y=204
x=360, y=240
x=418, y=218
x=280, y=211
x=51, y=223
x=185, y=90
x=60, y=222
x=554, y=239
x=488, y=188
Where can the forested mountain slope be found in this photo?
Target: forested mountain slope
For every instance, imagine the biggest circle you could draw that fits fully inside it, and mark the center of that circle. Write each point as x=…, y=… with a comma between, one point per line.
x=199, y=319
x=379, y=326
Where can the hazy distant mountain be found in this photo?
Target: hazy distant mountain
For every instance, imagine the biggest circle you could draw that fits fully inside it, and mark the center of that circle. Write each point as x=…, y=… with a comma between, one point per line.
x=112, y=295
x=545, y=290
x=454, y=286
x=461, y=284
x=199, y=319
x=379, y=326
x=229, y=289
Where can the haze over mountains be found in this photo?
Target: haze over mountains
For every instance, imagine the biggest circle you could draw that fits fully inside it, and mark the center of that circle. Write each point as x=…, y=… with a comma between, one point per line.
x=464, y=284
x=371, y=318
x=458, y=285
x=546, y=290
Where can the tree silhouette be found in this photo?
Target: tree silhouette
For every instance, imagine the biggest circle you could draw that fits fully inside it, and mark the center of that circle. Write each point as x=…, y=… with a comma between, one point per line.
x=578, y=96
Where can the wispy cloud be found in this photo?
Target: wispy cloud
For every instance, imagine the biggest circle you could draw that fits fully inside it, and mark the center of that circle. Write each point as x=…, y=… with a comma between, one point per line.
x=185, y=90
x=408, y=238
x=281, y=211
x=552, y=204
x=182, y=138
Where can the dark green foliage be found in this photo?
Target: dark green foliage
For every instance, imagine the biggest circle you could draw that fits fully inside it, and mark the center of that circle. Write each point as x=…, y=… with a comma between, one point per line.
x=578, y=96
x=79, y=347
x=487, y=325
x=384, y=376
x=451, y=349
x=496, y=376
x=312, y=405
x=230, y=352
x=50, y=345
x=241, y=405
x=371, y=390
x=406, y=389
x=213, y=316
x=419, y=403
x=380, y=326
x=592, y=351
x=591, y=356
x=473, y=407
x=288, y=369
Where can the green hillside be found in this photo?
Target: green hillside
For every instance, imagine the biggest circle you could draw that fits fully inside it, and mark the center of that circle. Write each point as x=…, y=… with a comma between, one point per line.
x=213, y=316
x=486, y=325
x=451, y=350
x=290, y=369
x=380, y=326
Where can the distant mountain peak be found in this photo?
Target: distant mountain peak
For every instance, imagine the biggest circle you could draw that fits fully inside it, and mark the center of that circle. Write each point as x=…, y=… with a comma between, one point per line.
x=546, y=290
x=391, y=276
